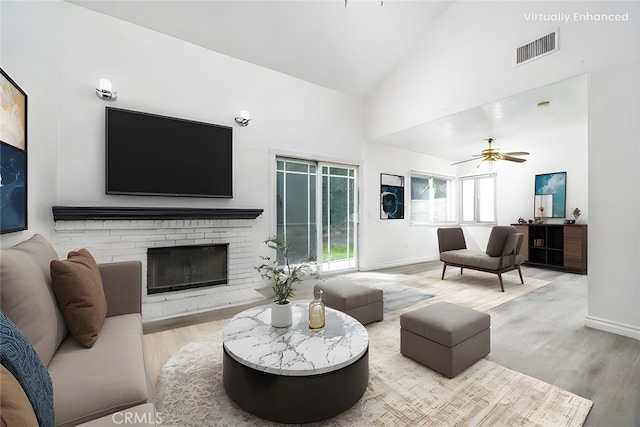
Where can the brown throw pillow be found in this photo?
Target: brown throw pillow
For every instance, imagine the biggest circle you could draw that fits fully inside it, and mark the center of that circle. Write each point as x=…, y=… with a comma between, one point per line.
x=16, y=410
x=78, y=288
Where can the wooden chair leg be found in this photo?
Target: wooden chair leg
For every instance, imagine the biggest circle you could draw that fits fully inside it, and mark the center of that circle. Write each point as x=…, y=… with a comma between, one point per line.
x=500, y=279
x=444, y=268
x=520, y=272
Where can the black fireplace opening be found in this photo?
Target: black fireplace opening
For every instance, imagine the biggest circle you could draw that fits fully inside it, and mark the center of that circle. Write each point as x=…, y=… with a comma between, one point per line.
x=185, y=267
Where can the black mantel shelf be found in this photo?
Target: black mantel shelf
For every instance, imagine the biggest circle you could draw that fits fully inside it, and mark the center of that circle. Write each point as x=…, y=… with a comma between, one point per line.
x=79, y=213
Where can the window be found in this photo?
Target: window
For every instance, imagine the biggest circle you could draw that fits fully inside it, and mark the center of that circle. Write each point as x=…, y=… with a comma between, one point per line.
x=478, y=199
x=432, y=199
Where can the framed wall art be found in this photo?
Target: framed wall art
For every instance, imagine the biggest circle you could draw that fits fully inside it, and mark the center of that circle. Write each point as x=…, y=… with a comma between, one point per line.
x=13, y=156
x=550, y=195
x=391, y=196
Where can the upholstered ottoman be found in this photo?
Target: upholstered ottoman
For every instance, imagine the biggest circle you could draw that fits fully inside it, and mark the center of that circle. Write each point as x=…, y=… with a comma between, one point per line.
x=445, y=337
x=360, y=302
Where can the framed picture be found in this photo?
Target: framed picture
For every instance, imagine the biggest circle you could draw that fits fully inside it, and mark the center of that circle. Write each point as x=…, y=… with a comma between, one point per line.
x=550, y=195
x=13, y=156
x=391, y=196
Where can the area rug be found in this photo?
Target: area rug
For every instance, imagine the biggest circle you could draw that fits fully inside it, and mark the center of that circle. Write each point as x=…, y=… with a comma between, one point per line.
x=473, y=289
x=401, y=392
x=396, y=297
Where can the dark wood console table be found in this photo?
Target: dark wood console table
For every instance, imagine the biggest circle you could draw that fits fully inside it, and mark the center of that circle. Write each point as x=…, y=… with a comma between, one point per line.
x=562, y=246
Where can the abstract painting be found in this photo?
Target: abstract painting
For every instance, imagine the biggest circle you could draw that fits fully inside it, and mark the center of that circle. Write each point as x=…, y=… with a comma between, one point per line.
x=13, y=156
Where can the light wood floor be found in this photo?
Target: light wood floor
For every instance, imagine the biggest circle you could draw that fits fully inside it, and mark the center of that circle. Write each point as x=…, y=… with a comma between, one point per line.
x=541, y=334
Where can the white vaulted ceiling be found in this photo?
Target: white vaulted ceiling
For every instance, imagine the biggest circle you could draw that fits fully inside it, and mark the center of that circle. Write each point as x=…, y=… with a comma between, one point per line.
x=348, y=49
x=351, y=50
x=516, y=123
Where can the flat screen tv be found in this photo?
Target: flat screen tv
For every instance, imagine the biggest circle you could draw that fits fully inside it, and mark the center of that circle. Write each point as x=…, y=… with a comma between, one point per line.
x=148, y=154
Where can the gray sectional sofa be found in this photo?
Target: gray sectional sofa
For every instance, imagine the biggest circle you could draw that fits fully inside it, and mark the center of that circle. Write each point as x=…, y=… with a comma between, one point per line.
x=96, y=384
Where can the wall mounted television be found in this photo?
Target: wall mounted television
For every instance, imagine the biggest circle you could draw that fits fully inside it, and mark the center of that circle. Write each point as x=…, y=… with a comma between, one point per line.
x=149, y=154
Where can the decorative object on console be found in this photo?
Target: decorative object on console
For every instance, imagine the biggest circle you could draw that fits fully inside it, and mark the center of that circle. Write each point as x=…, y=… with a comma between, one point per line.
x=105, y=90
x=284, y=276
x=13, y=156
x=550, y=195
x=243, y=119
x=576, y=213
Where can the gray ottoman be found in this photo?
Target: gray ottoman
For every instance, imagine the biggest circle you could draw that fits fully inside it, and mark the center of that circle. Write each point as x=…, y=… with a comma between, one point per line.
x=360, y=302
x=445, y=337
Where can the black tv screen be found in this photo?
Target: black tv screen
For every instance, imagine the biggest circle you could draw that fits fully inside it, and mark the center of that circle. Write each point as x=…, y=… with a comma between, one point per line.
x=148, y=154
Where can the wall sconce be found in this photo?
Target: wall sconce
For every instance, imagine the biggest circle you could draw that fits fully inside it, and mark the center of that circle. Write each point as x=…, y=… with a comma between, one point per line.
x=104, y=90
x=243, y=119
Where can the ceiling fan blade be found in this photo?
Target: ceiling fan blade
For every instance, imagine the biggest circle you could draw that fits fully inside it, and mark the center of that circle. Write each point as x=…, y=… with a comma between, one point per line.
x=468, y=160
x=512, y=159
x=516, y=153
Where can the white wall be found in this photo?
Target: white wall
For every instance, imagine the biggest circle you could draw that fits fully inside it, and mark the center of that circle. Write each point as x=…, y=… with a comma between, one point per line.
x=57, y=51
x=614, y=200
x=392, y=242
x=468, y=58
x=397, y=242
x=469, y=62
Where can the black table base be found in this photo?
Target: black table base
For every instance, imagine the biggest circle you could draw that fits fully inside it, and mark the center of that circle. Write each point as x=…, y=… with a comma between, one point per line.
x=295, y=399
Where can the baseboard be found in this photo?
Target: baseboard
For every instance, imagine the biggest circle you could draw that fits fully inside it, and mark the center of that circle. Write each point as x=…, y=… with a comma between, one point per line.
x=613, y=327
x=400, y=263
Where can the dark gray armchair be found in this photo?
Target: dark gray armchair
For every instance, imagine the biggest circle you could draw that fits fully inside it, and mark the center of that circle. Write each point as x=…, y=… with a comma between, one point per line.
x=502, y=254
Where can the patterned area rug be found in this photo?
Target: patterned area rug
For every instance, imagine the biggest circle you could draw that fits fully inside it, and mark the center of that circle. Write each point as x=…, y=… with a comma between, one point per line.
x=401, y=392
x=396, y=297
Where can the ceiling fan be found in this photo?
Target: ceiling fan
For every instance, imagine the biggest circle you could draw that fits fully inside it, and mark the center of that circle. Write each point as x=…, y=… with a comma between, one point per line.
x=492, y=154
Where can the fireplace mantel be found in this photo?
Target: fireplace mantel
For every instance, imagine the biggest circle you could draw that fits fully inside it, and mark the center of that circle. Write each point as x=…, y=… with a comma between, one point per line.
x=79, y=213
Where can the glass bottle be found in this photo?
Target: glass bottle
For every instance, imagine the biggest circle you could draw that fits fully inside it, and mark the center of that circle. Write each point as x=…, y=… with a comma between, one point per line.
x=316, y=311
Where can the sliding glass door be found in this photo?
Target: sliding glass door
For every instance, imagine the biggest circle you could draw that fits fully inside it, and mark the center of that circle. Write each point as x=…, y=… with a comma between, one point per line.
x=316, y=212
x=338, y=218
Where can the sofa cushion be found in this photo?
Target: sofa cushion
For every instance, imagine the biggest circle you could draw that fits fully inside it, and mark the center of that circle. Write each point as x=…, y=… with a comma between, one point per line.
x=26, y=294
x=78, y=288
x=15, y=407
x=476, y=259
x=107, y=378
x=497, y=239
x=19, y=357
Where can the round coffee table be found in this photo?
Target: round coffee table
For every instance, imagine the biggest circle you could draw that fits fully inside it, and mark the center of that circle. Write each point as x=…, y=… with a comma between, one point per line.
x=295, y=375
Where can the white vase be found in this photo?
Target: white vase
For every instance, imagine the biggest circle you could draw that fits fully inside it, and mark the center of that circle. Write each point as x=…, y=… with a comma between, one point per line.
x=281, y=315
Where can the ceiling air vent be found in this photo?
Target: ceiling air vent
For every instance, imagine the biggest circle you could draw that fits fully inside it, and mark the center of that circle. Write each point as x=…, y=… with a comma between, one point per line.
x=537, y=48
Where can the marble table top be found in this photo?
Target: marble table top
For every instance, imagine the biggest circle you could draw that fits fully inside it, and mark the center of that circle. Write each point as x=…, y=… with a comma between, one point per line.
x=250, y=339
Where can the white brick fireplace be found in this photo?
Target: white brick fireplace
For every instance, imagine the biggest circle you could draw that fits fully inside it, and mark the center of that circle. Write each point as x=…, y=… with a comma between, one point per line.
x=126, y=237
